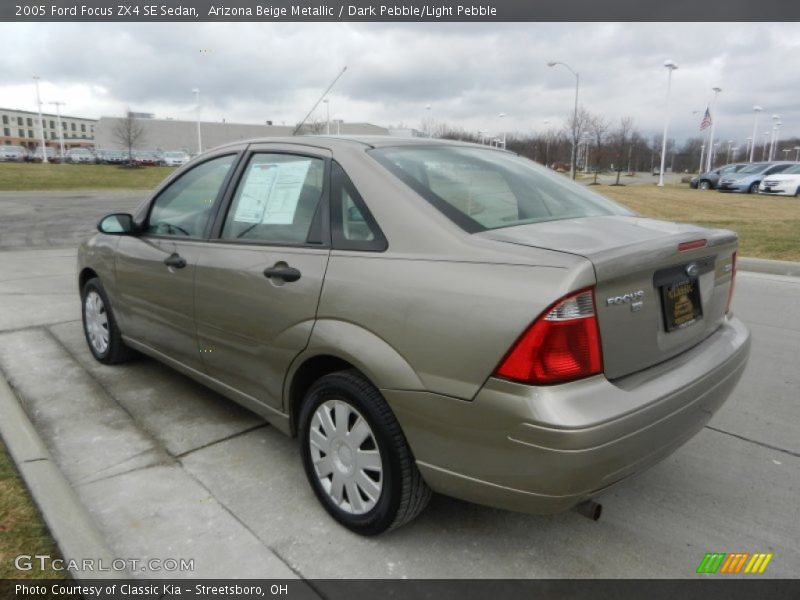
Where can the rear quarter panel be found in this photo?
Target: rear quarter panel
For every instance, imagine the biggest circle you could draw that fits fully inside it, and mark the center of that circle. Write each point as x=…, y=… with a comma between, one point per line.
x=452, y=322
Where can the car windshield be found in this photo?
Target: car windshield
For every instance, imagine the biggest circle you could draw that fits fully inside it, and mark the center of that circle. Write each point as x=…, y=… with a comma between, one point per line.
x=754, y=169
x=480, y=189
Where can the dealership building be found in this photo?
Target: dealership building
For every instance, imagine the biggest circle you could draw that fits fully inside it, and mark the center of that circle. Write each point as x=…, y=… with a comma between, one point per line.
x=170, y=134
x=21, y=128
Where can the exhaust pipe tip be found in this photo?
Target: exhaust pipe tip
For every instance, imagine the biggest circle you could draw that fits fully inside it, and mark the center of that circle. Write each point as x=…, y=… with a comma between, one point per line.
x=590, y=509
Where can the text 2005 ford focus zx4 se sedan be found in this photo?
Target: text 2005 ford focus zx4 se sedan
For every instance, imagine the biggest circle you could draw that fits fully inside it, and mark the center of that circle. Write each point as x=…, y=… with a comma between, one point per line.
x=424, y=315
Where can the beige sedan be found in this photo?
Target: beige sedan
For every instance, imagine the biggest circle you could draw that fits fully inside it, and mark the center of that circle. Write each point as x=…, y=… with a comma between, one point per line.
x=424, y=316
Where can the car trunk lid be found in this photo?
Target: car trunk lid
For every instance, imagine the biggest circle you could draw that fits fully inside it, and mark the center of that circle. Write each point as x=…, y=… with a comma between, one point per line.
x=661, y=287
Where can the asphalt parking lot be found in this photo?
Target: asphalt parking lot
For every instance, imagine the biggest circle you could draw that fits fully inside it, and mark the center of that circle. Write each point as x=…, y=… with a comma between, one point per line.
x=167, y=468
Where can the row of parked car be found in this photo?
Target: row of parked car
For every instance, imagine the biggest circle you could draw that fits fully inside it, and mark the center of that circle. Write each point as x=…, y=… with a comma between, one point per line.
x=779, y=178
x=173, y=158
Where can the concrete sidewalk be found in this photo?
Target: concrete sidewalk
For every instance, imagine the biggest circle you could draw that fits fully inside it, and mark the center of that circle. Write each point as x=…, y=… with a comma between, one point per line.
x=164, y=468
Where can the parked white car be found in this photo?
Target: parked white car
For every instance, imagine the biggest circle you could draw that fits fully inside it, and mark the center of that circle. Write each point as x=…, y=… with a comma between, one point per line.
x=174, y=159
x=80, y=155
x=786, y=183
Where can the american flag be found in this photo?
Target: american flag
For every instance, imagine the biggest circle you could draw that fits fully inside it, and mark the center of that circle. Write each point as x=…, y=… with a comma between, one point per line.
x=706, y=122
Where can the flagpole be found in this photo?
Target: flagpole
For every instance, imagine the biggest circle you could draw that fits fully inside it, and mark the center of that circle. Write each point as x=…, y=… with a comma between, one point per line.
x=710, y=154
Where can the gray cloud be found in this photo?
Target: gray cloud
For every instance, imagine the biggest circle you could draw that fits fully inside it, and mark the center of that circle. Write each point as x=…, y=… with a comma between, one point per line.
x=468, y=73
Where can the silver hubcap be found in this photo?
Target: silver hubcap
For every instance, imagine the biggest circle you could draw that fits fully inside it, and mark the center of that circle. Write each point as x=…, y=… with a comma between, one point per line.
x=346, y=457
x=96, y=317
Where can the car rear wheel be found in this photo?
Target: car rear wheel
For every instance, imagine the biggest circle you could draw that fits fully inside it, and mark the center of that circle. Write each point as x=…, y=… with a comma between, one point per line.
x=100, y=327
x=704, y=185
x=753, y=189
x=356, y=457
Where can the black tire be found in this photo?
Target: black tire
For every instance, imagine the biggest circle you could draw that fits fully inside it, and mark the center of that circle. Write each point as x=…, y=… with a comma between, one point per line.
x=115, y=351
x=753, y=189
x=704, y=185
x=404, y=493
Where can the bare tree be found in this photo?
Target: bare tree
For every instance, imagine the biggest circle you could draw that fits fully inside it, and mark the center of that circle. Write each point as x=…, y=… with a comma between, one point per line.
x=598, y=127
x=129, y=133
x=576, y=126
x=621, y=144
x=313, y=127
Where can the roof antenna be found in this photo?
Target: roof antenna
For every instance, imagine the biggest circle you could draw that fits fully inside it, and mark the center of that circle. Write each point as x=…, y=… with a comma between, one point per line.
x=313, y=108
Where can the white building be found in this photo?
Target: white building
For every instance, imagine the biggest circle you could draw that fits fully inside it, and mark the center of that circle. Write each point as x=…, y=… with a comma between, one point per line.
x=21, y=128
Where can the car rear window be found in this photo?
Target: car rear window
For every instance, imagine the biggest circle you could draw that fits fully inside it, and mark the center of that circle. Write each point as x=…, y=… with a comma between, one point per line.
x=480, y=189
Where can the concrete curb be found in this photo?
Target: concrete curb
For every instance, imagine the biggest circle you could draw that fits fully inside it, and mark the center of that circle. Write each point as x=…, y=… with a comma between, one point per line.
x=70, y=523
x=772, y=267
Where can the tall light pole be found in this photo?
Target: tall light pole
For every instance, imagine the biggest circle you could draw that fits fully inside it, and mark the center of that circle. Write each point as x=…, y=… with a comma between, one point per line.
x=756, y=110
x=327, y=116
x=547, y=143
x=428, y=118
x=730, y=147
x=574, y=115
x=702, y=155
x=797, y=153
x=776, y=123
x=671, y=66
x=717, y=90
x=500, y=116
x=58, y=106
x=748, y=148
x=764, y=147
x=41, y=121
x=196, y=92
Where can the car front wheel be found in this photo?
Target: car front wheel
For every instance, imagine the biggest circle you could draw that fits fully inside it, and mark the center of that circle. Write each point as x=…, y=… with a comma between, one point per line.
x=356, y=457
x=100, y=327
x=704, y=185
x=753, y=189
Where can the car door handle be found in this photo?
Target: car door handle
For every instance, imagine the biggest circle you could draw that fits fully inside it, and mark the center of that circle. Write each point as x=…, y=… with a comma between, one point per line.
x=286, y=273
x=175, y=260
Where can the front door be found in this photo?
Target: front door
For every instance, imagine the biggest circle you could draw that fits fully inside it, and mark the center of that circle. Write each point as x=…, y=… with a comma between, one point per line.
x=258, y=284
x=155, y=270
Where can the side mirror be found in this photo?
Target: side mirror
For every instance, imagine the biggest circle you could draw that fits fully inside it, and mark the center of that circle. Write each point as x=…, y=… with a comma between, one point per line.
x=116, y=224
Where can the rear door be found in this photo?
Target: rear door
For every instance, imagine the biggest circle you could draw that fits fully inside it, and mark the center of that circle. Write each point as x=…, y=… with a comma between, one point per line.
x=258, y=282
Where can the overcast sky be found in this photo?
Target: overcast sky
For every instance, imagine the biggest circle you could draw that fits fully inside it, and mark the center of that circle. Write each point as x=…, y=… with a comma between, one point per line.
x=467, y=73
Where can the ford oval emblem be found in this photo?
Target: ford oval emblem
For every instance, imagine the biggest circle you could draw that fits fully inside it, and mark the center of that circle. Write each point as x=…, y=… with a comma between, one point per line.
x=692, y=270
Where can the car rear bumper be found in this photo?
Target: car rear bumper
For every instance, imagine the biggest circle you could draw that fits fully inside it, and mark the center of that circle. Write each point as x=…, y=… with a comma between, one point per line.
x=546, y=449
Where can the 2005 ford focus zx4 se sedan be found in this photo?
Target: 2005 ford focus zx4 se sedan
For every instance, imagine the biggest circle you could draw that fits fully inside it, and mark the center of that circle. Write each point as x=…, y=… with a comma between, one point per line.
x=424, y=316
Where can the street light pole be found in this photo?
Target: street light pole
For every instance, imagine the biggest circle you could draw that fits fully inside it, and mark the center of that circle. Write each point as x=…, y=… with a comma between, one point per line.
x=41, y=121
x=702, y=155
x=546, y=143
x=776, y=123
x=671, y=66
x=797, y=153
x=717, y=90
x=500, y=116
x=756, y=110
x=429, y=124
x=58, y=106
x=327, y=116
x=196, y=92
x=574, y=115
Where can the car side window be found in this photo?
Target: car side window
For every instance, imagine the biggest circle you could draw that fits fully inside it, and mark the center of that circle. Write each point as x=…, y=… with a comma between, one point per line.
x=276, y=200
x=777, y=169
x=352, y=225
x=184, y=207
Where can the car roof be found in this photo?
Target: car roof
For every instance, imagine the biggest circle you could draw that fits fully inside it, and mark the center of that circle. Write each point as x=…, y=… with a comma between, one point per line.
x=332, y=142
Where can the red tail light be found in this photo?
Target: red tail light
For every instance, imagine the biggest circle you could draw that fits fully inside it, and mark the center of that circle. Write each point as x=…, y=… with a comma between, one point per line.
x=563, y=344
x=733, y=282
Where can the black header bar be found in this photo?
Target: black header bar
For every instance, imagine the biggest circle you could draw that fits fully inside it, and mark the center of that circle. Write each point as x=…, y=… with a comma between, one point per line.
x=399, y=11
